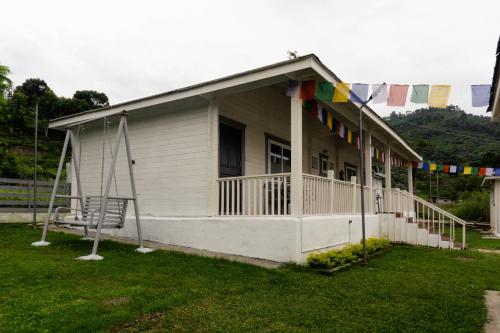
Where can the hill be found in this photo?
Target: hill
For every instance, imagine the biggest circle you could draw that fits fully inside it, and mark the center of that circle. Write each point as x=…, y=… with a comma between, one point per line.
x=450, y=136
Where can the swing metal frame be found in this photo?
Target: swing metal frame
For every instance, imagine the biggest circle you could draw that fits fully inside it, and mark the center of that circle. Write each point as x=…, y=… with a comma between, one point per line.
x=104, y=199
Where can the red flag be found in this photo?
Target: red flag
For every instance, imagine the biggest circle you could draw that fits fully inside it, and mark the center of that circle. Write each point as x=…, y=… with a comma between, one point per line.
x=446, y=169
x=482, y=171
x=307, y=90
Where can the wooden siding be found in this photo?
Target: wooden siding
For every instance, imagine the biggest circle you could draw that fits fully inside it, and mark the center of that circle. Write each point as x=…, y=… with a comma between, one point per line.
x=170, y=152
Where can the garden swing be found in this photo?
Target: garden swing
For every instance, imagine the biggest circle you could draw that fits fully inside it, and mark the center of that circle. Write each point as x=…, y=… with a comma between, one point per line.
x=96, y=211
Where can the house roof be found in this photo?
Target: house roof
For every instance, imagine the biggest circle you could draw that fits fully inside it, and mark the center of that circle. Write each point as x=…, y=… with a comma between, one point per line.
x=495, y=88
x=489, y=179
x=292, y=68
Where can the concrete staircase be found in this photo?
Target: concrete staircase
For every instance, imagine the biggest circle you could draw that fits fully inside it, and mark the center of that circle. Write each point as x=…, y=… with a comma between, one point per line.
x=418, y=222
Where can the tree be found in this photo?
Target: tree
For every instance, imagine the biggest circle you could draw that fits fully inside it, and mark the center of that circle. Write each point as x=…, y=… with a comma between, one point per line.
x=91, y=98
x=5, y=84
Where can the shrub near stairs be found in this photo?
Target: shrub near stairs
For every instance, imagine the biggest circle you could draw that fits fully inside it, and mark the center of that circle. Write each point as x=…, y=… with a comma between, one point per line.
x=348, y=254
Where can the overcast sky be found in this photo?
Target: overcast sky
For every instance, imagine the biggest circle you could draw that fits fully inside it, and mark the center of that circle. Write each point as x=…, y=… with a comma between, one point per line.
x=130, y=49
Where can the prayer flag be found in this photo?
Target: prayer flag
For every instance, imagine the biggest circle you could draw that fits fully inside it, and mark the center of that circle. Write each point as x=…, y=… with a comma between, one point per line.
x=378, y=153
x=324, y=91
x=439, y=168
x=460, y=169
x=334, y=126
x=357, y=142
x=474, y=171
x=420, y=93
x=379, y=93
x=341, y=130
x=438, y=97
x=480, y=94
x=490, y=171
x=341, y=94
x=308, y=105
x=346, y=133
x=383, y=156
x=324, y=116
x=453, y=169
x=446, y=169
x=349, y=136
x=292, y=88
x=397, y=95
x=467, y=170
x=497, y=171
x=330, y=120
x=425, y=166
x=419, y=165
x=307, y=90
x=359, y=93
x=482, y=172
x=433, y=167
x=320, y=115
x=314, y=110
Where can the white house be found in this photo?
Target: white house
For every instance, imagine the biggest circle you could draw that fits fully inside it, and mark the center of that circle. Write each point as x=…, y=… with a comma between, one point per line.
x=494, y=182
x=236, y=166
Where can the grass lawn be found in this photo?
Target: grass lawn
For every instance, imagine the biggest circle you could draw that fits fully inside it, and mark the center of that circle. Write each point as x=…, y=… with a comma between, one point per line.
x=407, y=289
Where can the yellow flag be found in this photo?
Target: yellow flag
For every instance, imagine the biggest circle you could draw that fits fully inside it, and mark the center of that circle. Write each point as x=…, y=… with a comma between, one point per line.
x=330, y=120
x=433, y=166
x=467, y=170
x=341, y=93
x=349, y=136
x=438, y=97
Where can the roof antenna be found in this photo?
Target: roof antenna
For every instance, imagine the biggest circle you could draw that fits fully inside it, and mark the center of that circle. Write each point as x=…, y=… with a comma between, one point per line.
x=292, y=54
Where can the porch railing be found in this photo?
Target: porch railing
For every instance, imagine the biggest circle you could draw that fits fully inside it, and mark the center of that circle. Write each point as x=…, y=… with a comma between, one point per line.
x=261, y=195
x=326, y=196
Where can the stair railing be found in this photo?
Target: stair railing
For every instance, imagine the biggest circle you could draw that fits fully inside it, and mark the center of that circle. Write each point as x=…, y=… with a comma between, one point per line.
x=433, y=217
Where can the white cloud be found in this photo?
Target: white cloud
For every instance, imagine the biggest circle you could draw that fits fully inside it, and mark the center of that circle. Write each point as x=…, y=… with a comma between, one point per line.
x=129, y=49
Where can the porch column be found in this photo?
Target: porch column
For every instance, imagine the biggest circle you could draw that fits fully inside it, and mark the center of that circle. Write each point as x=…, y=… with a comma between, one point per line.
x=410, y=178
x=368, y=158
x=388, y=166
x=296, y=194
x=388, y=197
x=213, y=158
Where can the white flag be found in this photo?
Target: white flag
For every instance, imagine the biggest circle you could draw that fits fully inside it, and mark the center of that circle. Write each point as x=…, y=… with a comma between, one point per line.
x=453, y=169
x=490, y=171
x=379, y=93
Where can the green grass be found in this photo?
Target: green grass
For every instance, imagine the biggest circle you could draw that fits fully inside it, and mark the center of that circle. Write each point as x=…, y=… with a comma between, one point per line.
x=408, y=289
x=474, y=240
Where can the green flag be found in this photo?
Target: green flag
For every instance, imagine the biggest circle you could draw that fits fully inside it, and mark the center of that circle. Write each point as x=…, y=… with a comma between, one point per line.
x=474, y=171
x=420, y=93
x=324, y=91
x=439, y=168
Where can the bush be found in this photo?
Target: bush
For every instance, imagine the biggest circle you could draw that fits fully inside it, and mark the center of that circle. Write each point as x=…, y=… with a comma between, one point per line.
x=474, y=206
x=348, y=254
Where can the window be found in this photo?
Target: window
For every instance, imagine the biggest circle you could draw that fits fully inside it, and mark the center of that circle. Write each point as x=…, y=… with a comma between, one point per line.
x=279, y=157
x=350, y=171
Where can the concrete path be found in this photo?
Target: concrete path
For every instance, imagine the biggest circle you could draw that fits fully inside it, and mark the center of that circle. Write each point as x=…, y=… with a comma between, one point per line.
x=204, y=253
x=488, y=251
x=492, y=301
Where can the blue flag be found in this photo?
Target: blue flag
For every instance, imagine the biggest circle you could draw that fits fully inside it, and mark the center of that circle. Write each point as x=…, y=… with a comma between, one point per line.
x=480, y=94
x=359, y=92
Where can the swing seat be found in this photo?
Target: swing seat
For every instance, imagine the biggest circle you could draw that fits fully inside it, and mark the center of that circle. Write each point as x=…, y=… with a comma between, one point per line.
x=114, y=216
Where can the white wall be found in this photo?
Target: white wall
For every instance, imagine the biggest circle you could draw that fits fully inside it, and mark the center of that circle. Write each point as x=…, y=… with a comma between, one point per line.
x=169, y=146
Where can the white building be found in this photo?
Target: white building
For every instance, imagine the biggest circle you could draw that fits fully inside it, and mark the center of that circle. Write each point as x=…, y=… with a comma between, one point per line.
x=234, y=165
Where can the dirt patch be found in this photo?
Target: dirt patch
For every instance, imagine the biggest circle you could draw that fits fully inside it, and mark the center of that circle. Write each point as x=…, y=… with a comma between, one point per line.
x=116, y=301
x=145, y=322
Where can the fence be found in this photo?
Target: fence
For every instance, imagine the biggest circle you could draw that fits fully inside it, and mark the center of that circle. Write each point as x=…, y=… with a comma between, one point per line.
x=17, y=195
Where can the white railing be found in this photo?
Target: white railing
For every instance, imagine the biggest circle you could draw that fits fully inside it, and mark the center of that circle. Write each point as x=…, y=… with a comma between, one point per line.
x=427, y=215
x=326, y=196
x=261, y=195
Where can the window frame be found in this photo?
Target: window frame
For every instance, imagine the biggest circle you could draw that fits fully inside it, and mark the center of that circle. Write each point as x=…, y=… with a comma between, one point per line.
x=283, y=144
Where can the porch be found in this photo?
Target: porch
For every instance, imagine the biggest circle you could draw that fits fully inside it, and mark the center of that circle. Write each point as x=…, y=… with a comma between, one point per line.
x=270, y=157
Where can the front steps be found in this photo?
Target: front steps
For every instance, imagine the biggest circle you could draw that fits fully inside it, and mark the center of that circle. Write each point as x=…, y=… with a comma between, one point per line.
x=401, y=229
